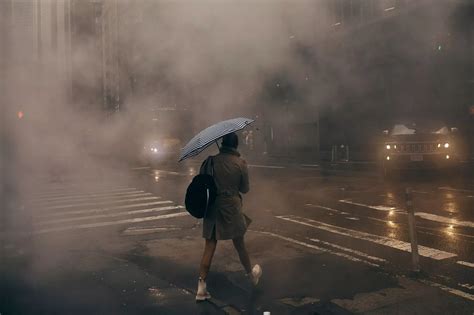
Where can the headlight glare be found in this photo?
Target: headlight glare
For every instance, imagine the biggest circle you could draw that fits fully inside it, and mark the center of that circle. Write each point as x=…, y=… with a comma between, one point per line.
x=446, y=145
x=388, y=146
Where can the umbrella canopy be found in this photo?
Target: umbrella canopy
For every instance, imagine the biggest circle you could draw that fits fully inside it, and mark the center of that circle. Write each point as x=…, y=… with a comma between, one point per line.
x=209, y=135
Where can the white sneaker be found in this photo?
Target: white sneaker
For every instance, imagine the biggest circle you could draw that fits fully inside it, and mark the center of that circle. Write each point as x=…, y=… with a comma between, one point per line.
x=256, y=274
x=202, y=293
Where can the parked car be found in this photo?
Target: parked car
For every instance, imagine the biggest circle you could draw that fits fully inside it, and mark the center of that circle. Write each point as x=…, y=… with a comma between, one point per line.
x=428, y=146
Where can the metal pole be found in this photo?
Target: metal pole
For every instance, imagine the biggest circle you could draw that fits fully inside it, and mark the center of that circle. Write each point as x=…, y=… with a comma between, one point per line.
x=415, y=257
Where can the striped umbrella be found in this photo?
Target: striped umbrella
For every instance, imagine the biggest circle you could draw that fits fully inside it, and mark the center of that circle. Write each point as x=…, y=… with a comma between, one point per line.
x=211, y=134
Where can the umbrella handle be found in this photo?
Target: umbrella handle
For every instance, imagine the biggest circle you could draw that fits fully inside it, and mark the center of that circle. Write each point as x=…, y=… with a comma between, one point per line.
x=218, y=145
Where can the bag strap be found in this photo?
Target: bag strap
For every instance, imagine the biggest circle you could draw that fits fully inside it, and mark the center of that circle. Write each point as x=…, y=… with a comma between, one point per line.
x=211, y=166
x=210, y=171
x=208, y=166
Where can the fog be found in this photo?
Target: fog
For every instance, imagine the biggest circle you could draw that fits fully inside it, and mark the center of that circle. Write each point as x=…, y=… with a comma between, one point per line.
x=282, y=61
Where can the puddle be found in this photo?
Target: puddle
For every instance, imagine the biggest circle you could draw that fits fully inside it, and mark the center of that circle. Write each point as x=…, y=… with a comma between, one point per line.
x=156, y=293
x=161, y=295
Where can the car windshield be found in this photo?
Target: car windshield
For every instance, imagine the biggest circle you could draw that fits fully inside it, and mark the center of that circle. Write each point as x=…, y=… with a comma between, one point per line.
x=419, y=128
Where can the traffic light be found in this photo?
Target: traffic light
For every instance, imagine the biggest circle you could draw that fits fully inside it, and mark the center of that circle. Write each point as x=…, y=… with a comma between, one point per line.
x=20, y=114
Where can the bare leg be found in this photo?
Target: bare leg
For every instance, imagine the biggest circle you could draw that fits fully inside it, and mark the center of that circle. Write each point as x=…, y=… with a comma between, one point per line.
x=239, y=245
x=209, y=250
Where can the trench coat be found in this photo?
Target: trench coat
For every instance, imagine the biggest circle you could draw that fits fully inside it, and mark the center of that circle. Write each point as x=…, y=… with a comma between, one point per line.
x=225, y=219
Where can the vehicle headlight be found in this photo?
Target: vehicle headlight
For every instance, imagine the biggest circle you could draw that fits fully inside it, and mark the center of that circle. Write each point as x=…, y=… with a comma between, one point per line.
x=446, y=145
x=388, y=146
x=155, y=150
x=439, y=145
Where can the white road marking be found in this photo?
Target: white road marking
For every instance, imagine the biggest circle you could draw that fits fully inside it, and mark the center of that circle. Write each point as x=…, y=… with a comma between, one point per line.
x=327, y=208
x=424, y=228
x=266, y=166
x=80, y=193
x=450, y=290
x=140, y=168
x=421, y=192
x=138, y=193
x=379, y=208
x=75, y=205
x=400, y=245
x=291, y=240
x=111, y=215
x=353, y=251
x=309, y=165
x=104, y=209
x=441, y=219
x=466, y=285
x=465, y=263
x=149, y=230
x=120, y=222
x=159, y=172
x=352, y=218
x=385, y=221
x=456, y=189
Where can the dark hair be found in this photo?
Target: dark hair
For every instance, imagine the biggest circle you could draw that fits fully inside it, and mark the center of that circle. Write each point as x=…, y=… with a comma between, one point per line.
x=230, y=140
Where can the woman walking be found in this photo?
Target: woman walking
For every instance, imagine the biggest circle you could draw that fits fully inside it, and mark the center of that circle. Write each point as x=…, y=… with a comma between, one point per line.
x=225, y=220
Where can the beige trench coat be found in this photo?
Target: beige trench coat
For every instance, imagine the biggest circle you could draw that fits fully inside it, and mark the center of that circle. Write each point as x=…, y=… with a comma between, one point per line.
x=225, y=217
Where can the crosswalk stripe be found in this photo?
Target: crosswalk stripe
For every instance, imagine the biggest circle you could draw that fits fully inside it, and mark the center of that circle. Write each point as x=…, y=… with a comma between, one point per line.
x=423, y=215
x=352, y=251
x=115, y=214
x=292, y=240
x=45, y=190
x=455, y=189
x=75, y=205
x=149, y=230
x=379, y=208
x=327, y=208
x=266, y=166
x=138, y=193
x=104, y=209
x=36, y=197
x=450, y=290
x=111, y=223
x=140, y=168
x=397, y=244
x=386, y=221
x=441, y=219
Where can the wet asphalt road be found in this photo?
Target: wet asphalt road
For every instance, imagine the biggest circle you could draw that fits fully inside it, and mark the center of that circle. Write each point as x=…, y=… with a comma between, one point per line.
x=72, y=232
